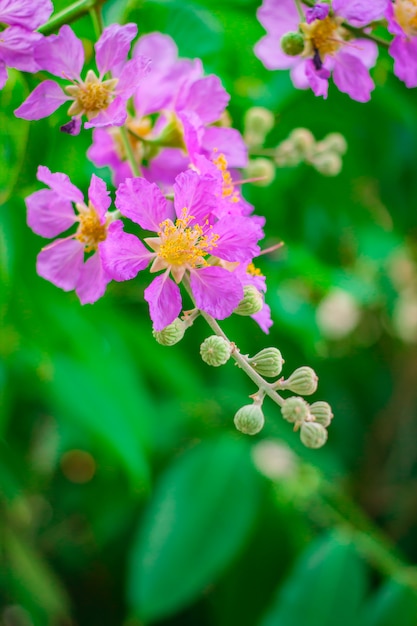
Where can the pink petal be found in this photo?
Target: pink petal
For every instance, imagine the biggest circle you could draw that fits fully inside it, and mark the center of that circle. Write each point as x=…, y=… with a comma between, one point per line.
x=99, y=196
x=61, y=263
x=207, y=98
x=62, y=54
x=132, y=75
x=113, y=46
x=216, y=291
x=227, y=141
x=365, y=50
x=318, y=84
x=164, y=299
x=278, y=17
x=143, y=203
x=3, y=74
x=263, y=318
x=195, y=193
x=17, y=46
x=114, y=115
x=24, y=13
x=123, y=254
x=160, y=48
x=298, y=75
x=60, y=183
x=92, y=281
x=352, y=77
x=48, y=213
x=360, y=13
x=268, y=50
x=404, y=53
x=193, y=131
x=43, y=101
x=238, y=237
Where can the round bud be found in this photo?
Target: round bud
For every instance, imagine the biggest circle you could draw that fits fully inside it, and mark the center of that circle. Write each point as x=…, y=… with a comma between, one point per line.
x=171, y=334
x=267, y=362
x=302, y=139
x=249, y=419
x=215, y=350
x=313, y=435
x=327, y=163
x=322, y=413
x=292, y=44
x=295, y=410
x=303, y=380
x=261, y=168
x=335, y=142
x=259, y=121
x=251, y=303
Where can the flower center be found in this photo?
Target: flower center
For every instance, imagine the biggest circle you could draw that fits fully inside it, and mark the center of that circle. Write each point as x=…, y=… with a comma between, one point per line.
x=322, y=36
x=406, y=15
x=91, y=96
x=90, y=231
x=182, y=244
x=228, y=188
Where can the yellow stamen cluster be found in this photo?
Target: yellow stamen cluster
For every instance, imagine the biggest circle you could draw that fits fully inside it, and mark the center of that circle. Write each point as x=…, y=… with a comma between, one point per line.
x=323, y=36
x=184, y=245
x=90, y=231
x=405, y=12
x=253, y=271
x=91, y=96
x=228, y=188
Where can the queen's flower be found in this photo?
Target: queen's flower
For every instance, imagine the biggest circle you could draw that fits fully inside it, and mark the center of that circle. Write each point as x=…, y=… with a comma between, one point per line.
x=402, y=23
x=101, y=100
x=18, y=41
x=73, y=262
x=329, y=48
x=190, y=246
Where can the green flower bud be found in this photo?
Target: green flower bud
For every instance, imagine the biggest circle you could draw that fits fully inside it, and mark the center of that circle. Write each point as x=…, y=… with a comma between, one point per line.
x=267, y=362
x=295, y=410
x=322, y=412
x=335, y=142
x=313, y=435
x=251, y=303
x=171, y=334
x=215, y=350
x=261, y=168
x=303, y=380
x=292, y=44
x=259, y=121
x=302, y=140
x=249, y=419
x=327, y=163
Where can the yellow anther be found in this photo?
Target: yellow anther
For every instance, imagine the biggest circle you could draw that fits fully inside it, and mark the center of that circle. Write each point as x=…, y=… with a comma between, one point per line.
x=90, y=231
x=184, y=245
x=405, y=12
x=253, y=271
x=323, y=36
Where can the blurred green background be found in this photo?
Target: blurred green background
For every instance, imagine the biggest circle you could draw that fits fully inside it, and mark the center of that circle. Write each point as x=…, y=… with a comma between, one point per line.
x=126, y=495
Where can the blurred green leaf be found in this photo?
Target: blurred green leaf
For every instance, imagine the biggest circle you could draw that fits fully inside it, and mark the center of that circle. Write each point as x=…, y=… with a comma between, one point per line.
x=198, y=519
x=395, y=603
x=326, y=587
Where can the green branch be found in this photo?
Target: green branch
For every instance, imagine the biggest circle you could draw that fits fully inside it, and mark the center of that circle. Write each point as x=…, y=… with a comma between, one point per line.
x=68, y=15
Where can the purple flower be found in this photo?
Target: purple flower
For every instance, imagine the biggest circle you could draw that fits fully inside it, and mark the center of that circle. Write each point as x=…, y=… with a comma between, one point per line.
x=17, y=42
x=102, y=101
x=190, y=244
x=402, y=23
x=329, y=47
x=50, y=213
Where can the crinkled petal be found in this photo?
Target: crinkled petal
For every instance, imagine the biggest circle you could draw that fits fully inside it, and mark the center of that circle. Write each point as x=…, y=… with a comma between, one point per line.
x=216, y=291
x=359, y=12
x=61, y=263
x=164, y=299
x=49, y=214
x=269, y=51
x=166, y=166
x=62, y=55
x=3, y=74
x=17, y=46
x=319, y=12
x=227, y=141
x=99, y=196
x=238, y=238
x=143, y=203
x=393, y=26
x=318, y=84
x=114, y=115
x=132, y=75
x=195, y=193
x=278, y=16
x=298, y=75
x=123, y=254
x=92, y=281
x=60, y=183
x=193, y=131
x=24, y=13
x=352, y=77
x=365, y=50
x=43, y=101
x=162, y=49
x=207, y=98
x=263, y=318
x=113, y=46
x=404, y=53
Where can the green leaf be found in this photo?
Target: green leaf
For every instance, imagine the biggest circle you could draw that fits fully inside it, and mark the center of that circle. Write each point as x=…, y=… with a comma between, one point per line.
x=394, y=603
x=326, y=586
x=196, y=522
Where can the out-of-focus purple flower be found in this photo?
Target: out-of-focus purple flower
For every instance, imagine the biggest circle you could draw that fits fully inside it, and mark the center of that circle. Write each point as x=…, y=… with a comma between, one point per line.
x=402, y=23
x=51, y=212
x=329, y=47
x=18, y=41
x=102, y=101
x=188, y=243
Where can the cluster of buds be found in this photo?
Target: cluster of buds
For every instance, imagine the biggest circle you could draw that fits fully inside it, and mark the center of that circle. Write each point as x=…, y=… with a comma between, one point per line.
x=301, y=147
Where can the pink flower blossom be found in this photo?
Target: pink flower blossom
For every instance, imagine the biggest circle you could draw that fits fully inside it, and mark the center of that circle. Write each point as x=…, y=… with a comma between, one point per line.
x=329, y=47
x=18, y=41
x=50, y=213
x=402, y=23
x=191, y=244
x=102, y=101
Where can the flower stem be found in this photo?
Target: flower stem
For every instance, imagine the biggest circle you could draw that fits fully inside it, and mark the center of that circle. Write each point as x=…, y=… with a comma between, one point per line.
x=129, y=152
x=68, y=15
x=300, y=10
x=97, y=19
